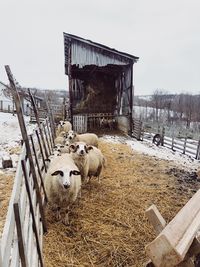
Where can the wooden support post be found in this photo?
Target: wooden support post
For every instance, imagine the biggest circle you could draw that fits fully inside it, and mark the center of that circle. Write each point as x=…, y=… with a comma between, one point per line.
x=38, y=122
x=32, y=212
x=70, y=83
x=173, y=141
x=50, y=136
x=163, y=136
x=47, y=140
x=155, y=218
x=184, y=145
x=26, y=141
x=198, y=151
x=38, y=167
x=51, y=118
x=41, y=150
x=22, y=252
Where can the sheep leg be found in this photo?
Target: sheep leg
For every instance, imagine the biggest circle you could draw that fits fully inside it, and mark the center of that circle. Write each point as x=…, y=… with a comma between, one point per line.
x=58, y=215
x=66, y=218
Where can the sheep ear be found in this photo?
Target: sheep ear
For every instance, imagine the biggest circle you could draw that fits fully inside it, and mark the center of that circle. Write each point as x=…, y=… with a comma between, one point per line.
x=62, y=146
x=72, y=147
x=55, y=146
x=61, y=173
x=89, y=147
x=48, y=160
x=74, y=172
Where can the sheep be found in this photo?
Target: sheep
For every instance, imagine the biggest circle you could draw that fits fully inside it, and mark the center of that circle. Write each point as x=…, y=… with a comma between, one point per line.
x=88, y=138
x=65, y=126
x=59, y=140
x=88, y=159
x=63, y=185
x=62, y=148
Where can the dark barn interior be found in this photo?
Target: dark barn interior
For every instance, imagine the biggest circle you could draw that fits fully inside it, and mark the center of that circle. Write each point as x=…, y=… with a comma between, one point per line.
x=100, y=78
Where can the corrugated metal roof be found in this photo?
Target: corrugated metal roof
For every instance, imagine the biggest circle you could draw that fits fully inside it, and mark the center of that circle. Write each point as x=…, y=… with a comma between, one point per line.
x=85, y=52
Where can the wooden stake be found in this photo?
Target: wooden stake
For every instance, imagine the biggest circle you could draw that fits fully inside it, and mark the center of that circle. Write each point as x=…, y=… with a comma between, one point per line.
x=38, y=122
x=41, y=150
x=32, y=212
x=22, y=252
x=26, y=141
x=38, y=167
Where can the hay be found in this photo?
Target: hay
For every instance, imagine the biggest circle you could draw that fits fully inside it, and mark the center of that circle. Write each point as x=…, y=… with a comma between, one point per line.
x=108, y=227
x=6, y=184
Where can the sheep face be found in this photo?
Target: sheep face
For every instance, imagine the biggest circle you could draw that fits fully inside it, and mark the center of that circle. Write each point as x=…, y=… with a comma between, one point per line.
x=61, y=123
x=81, y=149
x=58, y=147
x=64, y=177
x=71, y=135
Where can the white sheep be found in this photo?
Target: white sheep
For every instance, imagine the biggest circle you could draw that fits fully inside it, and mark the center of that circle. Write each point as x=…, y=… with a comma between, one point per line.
x=63, y=185
x=88, y=138
x=65, y=126
x=88, y=159
x=59, y=140
x=62, y=148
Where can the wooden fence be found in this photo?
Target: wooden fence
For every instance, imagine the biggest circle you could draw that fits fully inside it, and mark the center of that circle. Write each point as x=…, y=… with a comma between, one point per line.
x=185, y=146
x=6, y=106
x=21, y=243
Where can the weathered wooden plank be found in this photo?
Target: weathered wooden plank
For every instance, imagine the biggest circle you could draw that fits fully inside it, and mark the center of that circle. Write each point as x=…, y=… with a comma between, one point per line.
x=155, y=218
x=22, y=249
x=171, y=246
x=8, y=230
x=34, y=225
x=25, y=138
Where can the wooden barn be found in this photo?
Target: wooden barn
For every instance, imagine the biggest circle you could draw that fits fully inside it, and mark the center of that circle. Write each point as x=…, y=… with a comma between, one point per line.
x=100, y=83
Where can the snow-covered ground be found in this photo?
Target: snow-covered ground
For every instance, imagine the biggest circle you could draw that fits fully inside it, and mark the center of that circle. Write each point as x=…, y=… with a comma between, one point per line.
x=10, y=134
x=148, y=148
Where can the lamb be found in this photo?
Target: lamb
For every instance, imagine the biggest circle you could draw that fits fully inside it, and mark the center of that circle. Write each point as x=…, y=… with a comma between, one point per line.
x=88, y=138
x=65, y=126
x=88, y=159
x=63, y=185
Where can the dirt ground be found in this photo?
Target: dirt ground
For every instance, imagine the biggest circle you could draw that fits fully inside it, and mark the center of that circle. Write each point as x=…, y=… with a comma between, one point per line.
x=108, y=226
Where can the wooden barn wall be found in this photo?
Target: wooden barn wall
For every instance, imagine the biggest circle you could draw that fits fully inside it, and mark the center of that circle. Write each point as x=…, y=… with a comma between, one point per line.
x=84, y=54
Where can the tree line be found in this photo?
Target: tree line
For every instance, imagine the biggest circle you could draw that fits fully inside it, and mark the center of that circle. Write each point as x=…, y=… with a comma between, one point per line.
x=172, y=108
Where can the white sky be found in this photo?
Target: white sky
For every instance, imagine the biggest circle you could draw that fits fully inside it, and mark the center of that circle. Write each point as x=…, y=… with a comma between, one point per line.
x=164, y=34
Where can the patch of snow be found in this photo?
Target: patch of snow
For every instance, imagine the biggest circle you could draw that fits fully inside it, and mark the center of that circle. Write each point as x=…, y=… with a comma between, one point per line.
x=10, y=134
x=148, y=148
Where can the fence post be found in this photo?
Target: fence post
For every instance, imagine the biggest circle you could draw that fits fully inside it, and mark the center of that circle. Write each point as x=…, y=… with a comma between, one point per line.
x=162, y=136
x=22, y=252
x=26, y=141
x=173, y=141
x=184, y=145
x=198, y=150
x=23, y=163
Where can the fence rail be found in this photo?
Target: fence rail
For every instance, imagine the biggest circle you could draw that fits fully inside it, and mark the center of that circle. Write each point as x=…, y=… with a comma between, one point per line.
x=21, y=242
x=185, y=146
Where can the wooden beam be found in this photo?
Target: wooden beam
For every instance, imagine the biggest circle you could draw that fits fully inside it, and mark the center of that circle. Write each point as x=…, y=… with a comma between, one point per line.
x=41, y=150
x=155, y=218
x=173, y=243
x=38, y=122
x=26, y=140
x=22, y=251
x=32, y=212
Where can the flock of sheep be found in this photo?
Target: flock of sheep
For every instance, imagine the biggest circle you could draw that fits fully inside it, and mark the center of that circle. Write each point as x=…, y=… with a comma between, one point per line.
x=75, y=160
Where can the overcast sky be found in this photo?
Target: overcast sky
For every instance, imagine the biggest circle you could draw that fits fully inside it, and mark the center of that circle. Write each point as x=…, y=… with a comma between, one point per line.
x=164, y=34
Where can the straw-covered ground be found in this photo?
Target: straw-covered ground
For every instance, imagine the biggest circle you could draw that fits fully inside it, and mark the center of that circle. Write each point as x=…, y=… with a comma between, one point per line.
x=6, y=185
x=108, y=227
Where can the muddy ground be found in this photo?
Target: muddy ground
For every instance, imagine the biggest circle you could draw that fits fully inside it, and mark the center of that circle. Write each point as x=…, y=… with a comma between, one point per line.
x=109, y=227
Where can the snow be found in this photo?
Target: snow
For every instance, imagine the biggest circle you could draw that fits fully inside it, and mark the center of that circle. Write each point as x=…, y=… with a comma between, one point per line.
x=148, y=148
x=10, y=134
